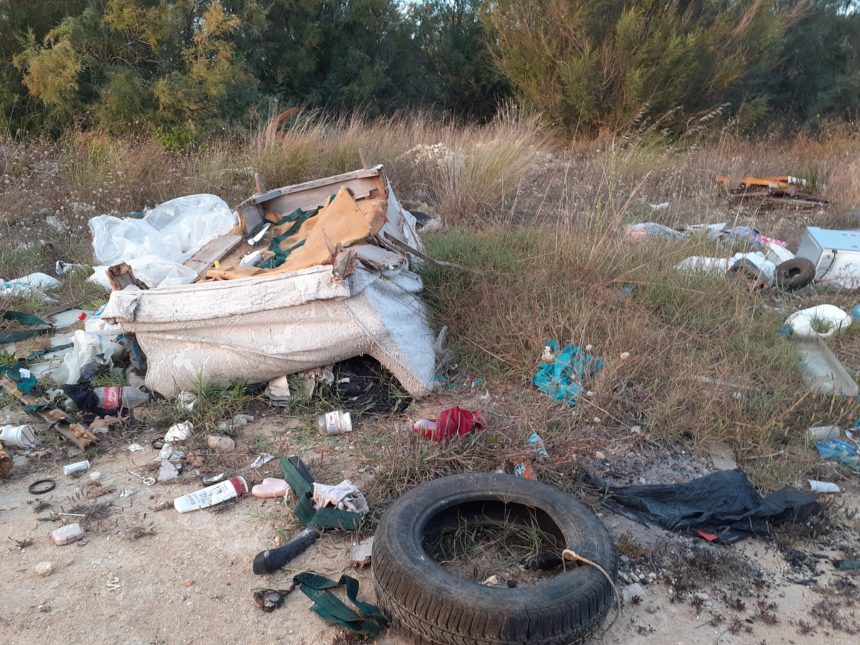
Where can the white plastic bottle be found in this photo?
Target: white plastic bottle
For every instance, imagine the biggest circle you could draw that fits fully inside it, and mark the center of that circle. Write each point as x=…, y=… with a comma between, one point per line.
x=211, y=495
x=116, y=397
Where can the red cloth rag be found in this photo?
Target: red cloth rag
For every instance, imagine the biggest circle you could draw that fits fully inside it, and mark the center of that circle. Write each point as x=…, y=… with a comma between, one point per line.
x=455, y=422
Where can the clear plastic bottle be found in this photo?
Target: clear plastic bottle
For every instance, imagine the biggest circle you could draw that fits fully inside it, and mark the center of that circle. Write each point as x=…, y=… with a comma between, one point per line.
x=116, y=397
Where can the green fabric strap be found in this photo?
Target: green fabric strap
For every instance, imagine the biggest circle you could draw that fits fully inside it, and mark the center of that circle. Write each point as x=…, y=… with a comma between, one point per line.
x=369, y=622
x=297, y=217
x=330, y=518
x=37, y=326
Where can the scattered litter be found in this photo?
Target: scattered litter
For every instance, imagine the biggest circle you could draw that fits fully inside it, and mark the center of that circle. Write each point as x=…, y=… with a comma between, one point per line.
x=67, y=534
x=44, y=569
x=211, y=495
x=33, y=283
x=273, y=559
x=113, y=583
x=344, y=496
x=537, y=446
x=822, y=371
x=336, y=422
x=722, y=507
x=492, y=581
x=270, y=599
x=361, y=553
x=171, y=452
x=772, y=192
x=22, y=436
x=271, y=487
x=127, y=492
x=65, y=268
x=368, y=620
x=722, y=456
x=823, y=487
x=302, y=483
x=41, y=486
x=95, y=475
x=213, y=478
x=168, y=470
x=278, y=391
x=77, y=467
x=845, y=453
x=847, y=565
x=821, y=433
x=135, y=447
x=186, y=400
x=179, y=432
x=220, y=443
x=262, y=459
x=525, y=470
x=147, y=481
x=157, y=245
x=835, y=255
x=821, y=321
x=794, y=274
x=562, y=378
x=452, y=423
x=645, y=230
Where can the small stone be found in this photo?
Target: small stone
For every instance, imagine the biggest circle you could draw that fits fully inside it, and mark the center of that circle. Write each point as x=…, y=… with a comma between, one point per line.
x=625, y=356
x=652, y=576
x=634, y=577
x=630, y=591
x=588, y=348
x=636, y=430
x=599, y=455
x=44, y=608
x=186, y=583
x=624, y=577
x=596, y=419
x=44, y=569
x=220, y=443
x=703, y=596
x=625, y=558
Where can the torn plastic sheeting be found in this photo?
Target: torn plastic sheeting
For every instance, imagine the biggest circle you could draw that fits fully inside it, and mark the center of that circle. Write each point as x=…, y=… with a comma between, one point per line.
x=27, y=284
x=840, y=450
x=156, y=246
x=724, y=504
x=260, y=328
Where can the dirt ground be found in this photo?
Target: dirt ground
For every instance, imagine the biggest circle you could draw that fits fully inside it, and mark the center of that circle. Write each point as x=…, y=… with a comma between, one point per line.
x=157, y=577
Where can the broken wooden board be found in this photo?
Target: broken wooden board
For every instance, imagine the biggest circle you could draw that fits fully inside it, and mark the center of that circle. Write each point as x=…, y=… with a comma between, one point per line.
x=213, y=251
x=57, y=419
x=121, y=276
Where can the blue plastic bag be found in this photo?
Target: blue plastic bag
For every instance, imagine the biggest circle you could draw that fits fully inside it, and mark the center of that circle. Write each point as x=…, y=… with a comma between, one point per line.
x=561, y=378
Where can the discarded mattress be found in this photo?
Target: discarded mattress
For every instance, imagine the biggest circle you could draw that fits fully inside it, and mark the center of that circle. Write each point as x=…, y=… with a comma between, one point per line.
x=254, y=328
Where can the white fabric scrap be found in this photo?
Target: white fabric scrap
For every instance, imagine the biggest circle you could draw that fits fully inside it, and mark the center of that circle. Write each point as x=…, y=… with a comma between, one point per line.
x=344, y=496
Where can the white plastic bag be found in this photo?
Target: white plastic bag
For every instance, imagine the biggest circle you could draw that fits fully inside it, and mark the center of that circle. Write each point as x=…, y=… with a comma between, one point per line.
x=156, y=246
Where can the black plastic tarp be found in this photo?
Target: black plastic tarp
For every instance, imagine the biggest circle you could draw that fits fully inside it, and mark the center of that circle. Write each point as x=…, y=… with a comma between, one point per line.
x=723, y=507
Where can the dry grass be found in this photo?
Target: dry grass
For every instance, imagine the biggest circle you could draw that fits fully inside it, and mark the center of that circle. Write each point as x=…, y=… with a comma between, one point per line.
x=524, y=285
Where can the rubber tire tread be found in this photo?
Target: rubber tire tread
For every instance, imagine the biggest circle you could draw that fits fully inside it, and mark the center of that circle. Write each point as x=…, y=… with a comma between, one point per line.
x=422, y=603
x=794, y=274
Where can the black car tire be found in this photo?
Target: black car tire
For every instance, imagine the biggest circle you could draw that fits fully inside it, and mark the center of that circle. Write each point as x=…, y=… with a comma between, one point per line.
x=794, y=274
x=438, y=607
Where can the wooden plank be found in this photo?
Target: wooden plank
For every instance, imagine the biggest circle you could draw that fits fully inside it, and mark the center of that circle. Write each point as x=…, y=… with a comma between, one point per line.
x=214, y=250
x=57, y=419
x=120, y=276
x=376, y=171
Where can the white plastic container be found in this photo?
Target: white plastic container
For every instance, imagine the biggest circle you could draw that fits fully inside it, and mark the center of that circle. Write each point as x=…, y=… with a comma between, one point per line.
x=336, y=422
x=211, y=495
x=18, y=436
x=77, y=467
